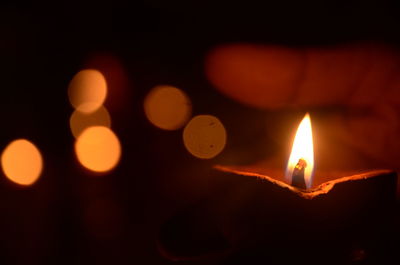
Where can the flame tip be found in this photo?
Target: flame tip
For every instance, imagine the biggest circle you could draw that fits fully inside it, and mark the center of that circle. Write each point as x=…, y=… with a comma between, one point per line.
x=302, y=150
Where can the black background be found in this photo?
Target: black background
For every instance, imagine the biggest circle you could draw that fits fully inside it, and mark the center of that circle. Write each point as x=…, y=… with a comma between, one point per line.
x=43, y=45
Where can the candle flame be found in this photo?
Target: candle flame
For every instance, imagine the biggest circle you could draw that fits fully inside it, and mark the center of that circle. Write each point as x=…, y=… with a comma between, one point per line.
x=302, y=152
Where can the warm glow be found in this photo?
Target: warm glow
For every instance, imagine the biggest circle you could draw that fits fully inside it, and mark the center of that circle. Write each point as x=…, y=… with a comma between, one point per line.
x=79, y=121
x=98, y=149
x=302, y=148
x=167, y=107
x=204, y=136
x=87, y=90
x=22, y=162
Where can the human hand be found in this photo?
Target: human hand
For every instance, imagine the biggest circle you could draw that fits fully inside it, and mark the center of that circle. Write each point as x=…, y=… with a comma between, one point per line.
x=362, y=81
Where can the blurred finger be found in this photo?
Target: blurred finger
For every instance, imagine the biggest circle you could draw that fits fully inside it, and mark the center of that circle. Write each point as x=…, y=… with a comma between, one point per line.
x=274, y=77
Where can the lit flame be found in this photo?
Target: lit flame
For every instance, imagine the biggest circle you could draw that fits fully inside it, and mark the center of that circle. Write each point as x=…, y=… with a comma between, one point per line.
x=302, y=149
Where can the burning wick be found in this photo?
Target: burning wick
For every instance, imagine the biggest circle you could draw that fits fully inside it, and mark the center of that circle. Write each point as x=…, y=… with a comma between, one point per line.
x=298, y=174
x=300, y=166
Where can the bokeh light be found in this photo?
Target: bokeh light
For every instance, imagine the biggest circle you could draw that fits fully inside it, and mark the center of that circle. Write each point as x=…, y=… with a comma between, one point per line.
x=204, y=136
x=98, y=149
x=79, y=121
x=167, y=107
x=87, y=91
x=22, y=162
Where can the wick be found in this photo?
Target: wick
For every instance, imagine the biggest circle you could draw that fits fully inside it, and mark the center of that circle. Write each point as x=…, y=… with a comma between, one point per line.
x=298, y=174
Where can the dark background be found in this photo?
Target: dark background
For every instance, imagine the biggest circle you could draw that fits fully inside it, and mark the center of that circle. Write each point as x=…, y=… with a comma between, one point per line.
x=71, y=217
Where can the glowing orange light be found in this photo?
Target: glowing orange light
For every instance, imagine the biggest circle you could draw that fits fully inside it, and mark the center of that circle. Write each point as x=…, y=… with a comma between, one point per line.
x=167, y=107
x=79, y=121
x=204, y=136
x=87, y=91
x=22, y=162
x=302, y=149
x=98, y=149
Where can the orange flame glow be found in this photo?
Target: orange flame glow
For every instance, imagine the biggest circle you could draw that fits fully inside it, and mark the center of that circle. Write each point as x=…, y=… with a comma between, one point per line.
x=22, y=162
x=302, y=149
x=98, y=149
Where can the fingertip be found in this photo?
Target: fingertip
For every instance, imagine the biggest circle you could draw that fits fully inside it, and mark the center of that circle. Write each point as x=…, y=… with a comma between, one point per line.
x=256, y=75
